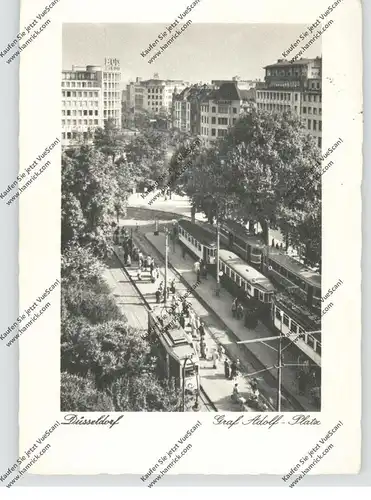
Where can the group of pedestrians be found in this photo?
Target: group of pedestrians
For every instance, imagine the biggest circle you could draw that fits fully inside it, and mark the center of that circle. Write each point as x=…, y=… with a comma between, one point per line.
x=237, y=309
x=200, y=269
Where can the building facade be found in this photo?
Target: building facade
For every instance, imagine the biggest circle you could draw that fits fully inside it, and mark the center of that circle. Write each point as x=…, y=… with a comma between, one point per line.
x=186, y=111
x=296, y=87
x=221, y=109
x=90, y=95
x=158, y=94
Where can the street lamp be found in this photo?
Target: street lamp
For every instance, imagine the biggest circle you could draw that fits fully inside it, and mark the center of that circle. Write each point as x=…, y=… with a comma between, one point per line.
x=196, y=405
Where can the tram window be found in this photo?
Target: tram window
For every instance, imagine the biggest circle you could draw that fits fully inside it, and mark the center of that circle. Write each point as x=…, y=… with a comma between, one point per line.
x=233, y=276
x=256, y=293
x=239, y=280
x=317, y=292
x=286, y=320
x=318, y=348
x=189, y=371
x=227, y=271
x=199, y=246
x=310, y=341
x=261, y=296
x=293, y=327
x=248, y=286
x=220, y=266
x=278, y=313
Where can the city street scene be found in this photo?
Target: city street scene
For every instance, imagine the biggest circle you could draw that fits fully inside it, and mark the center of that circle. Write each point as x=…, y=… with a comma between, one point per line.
x=191, y=220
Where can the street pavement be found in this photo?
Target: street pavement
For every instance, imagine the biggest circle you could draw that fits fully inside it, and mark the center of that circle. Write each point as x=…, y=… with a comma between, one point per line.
x=213, y=380
x=222, y=308
x=178, y=204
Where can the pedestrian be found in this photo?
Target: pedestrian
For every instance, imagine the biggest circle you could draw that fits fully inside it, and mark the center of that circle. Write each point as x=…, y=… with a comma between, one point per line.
x=205, y=271
x=182, y=320
x=238, y=367
x=215, y=358
x=221, y=351
x=158, y=296
x=152, y=265
x=201, y=330
x=226, y=368
x=157, y=273
x=234, y=308
x=203, y=349
x=139, y=274
x=153, y=277
x=128, y=260
x=233, y=370
x=239, y=311
x=254, y=384
x=172, y=287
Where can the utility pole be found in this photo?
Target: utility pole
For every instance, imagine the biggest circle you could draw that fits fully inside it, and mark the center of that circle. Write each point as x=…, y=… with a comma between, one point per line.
x=279, y=377
x=166, y=262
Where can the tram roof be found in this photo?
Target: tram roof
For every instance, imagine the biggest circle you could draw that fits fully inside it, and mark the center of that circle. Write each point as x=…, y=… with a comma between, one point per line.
x=202, y=235
x=306, y=318
x=295, y=267
x=245, y=271
x=244, y=234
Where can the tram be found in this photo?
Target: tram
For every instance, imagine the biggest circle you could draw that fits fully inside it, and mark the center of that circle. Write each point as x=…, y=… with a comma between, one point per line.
x=196, y=240
x=175, y=352
x=244, y=278
x=287, y=273
x=297, y=322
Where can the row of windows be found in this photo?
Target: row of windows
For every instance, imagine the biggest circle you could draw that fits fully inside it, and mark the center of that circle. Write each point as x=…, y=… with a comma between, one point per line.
x=286, y=72
x=312, y=98
x=113, y=77
x=111, y=85
x=287, y=274
x=79, y=85
x=68, y=93
x=68, y=123
x=112, y=104
x=81, y=75
x=209, y=251
x=312, y=125
x=295, y=328
x=245, y=285
x=73, y=135
x=277, y=107
x=112, y=113
x=315, y=85
x=310, y=110
x=80, y=112
x=155, y=91
x=221, y=109
x=279, y=96
x=80, y=104
x=112, y=95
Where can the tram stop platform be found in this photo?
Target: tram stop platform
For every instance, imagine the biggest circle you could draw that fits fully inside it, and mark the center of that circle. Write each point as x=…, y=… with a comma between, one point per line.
x=217, y=387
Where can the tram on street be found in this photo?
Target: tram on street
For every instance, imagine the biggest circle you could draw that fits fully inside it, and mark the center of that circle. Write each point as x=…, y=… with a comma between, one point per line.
x=249, y=247
x=245, y=281
x=177, y=358
x=298, y=323
x=198, y=241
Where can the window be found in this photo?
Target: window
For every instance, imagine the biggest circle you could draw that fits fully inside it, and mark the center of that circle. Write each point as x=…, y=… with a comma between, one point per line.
x=296, y=97
x=320, y=125
x=320, y=111
x=233, y=276
x=213, y=120
x=235, y=110
x=90, y=112
x=314, y=111
x=85, y=112
x=277, y=313
x=256, y=293
x=314, y=124
x=294, y=327
x=320, y=142
x=63, y=135
x=213, y=132
x=213, y=109
x=68, y=135
x=286, y=319
x=96, y=112
x=310, y=341
x=304, y=110
x=309, y=124
x=261, y=296
x=68, y=93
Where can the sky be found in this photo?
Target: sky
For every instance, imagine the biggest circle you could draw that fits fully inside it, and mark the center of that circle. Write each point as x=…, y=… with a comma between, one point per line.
x=203, y=52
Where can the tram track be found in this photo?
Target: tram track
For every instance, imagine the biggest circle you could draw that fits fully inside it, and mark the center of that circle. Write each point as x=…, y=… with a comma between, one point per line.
x=288, y=398
x=205, y=399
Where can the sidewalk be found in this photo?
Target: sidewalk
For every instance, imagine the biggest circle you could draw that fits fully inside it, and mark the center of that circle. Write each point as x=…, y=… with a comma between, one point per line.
x=222, y=308
x=213, y=380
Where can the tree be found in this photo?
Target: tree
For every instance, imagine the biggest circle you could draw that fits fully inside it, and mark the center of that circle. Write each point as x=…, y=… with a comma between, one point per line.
x=90, y=195
x=80, y=394
x=110, y=140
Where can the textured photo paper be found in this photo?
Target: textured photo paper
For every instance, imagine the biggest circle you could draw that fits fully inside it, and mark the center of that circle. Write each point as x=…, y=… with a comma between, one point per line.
x=124, y=109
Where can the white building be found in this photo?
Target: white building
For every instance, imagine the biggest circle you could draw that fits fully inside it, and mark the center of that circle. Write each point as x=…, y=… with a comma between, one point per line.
x=90, y=95
x=297, y=87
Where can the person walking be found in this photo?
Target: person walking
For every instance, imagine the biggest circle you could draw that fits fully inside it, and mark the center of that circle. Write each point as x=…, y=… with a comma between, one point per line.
x=201, y=330
x=158, y=296
x=215, y=358
x=227, y=370
x=139, y=274
x=152, y=266
x=221, y=351
x=203, y=349
x=172, y=286
x=234, y=308
x=233, y=370
x=128, y=260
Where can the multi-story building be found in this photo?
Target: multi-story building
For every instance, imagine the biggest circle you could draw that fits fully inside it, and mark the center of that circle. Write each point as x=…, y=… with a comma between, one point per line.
x=90, y=95
x=82, y=103
x=220, y=109
x=135, y=95
x=187, y=108
x=297, y=87
x=158, y=94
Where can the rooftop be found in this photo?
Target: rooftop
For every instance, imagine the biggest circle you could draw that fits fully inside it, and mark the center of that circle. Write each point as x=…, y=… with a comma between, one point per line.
x=287, y=62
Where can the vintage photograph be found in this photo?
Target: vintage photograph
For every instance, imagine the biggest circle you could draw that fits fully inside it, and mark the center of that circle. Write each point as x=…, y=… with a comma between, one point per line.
x=192, y=164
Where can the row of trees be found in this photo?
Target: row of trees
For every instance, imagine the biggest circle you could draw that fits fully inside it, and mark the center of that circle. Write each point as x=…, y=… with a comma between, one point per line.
x=267, y=169
x=105, y=364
